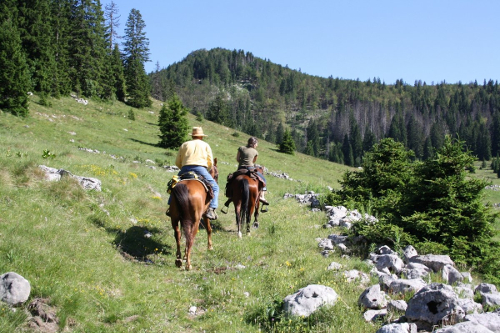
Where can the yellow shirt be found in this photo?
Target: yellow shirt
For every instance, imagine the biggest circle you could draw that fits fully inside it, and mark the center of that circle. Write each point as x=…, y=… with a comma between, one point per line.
x=195, y=152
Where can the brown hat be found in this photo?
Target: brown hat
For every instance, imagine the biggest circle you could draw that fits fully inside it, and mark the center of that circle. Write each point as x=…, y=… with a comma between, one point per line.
x=197, y=131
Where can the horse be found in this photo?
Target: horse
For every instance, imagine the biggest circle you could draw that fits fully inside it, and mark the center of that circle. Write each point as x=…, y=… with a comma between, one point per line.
x=189, y=201
x=245, y=194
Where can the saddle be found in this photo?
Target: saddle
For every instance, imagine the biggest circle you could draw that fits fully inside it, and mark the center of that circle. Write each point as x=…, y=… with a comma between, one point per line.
x=252, y=173
x=190, y=175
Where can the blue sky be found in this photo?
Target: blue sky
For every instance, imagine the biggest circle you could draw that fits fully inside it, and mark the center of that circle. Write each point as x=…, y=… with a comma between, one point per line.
x=428, y=40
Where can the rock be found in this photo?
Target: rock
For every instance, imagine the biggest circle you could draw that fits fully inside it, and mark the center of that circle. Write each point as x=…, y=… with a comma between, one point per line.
x=486, y=288
x=467, y=277
x=415, y=270
x=397, y=305
x=14, y=289
x=386, y=280
x=373, y=298
x=355, y=275
x=435, y=304
x=404, y=286
x=465, y=327
x=433, y=261
x=464, y=291
x=398, y=328
x=386, y=250
x=373, y=315
x=307, y=300
x=451, y=275
x=325, y=244
x=390, y=261
x=470, y=306
x=490, y=299
x=409, y=252
x=337, y=239
x=490, y=320
x=334, y=266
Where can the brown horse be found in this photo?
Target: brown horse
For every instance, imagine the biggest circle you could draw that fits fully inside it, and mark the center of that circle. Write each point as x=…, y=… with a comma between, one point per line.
x=189, y=201
x=245, y=197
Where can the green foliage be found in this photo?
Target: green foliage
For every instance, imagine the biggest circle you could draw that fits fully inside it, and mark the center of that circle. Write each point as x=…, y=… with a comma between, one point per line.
x=48, y=154
x=287, y=146
x=173, y=123
x=14, y=79
x=131, y=114
x=431, y=205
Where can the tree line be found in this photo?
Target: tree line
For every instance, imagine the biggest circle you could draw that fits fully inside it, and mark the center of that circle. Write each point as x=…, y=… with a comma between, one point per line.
x=332, y=118
x=56, y=47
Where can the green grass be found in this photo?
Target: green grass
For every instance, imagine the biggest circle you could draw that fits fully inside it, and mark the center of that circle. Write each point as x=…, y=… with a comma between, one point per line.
x=87, y=251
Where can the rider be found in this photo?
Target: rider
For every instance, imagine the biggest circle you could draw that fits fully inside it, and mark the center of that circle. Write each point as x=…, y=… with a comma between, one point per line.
x=246, y=158
x=196, y=155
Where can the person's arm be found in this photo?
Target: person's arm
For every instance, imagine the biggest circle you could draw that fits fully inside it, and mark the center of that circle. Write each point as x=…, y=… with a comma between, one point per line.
x=238, y=156
x=210, y=158
x=255, y=159
x=178, y=159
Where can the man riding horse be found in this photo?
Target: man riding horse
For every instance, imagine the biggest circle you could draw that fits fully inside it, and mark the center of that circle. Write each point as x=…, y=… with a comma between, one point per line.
x=196, y=156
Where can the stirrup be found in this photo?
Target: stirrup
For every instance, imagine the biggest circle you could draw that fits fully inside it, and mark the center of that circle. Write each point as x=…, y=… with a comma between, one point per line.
x=224, y=211
x=262, y=210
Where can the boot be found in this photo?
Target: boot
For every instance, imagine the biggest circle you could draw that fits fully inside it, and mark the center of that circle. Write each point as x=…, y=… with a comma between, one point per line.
x=210, y=214
x=263, y=200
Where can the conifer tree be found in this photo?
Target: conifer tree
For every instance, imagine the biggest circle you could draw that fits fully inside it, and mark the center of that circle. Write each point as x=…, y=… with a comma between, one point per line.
x=279, y=133
x=118, y=75
x=288, y=145
x=173, y=123
x=136, y=53
x=14, y=76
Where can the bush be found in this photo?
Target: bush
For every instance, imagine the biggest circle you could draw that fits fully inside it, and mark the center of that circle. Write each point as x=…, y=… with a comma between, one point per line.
x=431, y=205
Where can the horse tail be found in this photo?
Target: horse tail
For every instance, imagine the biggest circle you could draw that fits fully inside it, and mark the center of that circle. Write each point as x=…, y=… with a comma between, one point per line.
x=245, y=198
x=181, y=195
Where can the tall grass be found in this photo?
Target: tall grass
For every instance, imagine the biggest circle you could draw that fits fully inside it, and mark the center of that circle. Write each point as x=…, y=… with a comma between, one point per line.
x=106, y=259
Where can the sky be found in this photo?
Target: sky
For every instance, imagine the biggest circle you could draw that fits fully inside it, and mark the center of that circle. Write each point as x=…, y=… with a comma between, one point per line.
x=428, y=40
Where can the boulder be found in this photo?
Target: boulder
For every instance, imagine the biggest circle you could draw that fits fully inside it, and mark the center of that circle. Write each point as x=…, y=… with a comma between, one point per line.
x=490, y=320
x=433, y=261
x=470, y=306
x=465, y=327
x=451, y=275
x=409, y=252
x=390, y=261
x=14, y=289
x=373, y=298
x=307, y=300
x=397, y=305
x=404, y=286
x=398, y=328
x=373, y=315
x=355, y=275
x=486, y=288
x=334, y=266
x=435, y=304
x=415, y=270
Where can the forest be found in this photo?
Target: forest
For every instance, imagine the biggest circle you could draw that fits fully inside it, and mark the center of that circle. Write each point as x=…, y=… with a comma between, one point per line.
x=332, y=118
x=61, y=47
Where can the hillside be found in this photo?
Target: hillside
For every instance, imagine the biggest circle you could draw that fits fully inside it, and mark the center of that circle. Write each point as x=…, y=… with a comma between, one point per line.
x=87, y=251
x=332, y=118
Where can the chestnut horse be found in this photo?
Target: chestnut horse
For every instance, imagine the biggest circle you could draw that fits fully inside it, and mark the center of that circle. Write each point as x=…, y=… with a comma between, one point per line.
x=189, y=201
x=245, y=197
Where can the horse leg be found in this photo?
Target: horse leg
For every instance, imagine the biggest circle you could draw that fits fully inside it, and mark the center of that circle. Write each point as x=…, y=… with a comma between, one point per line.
x=188, y=231
x=237, y=211
x=208, y=226
x=256, y=215
x=177, y=235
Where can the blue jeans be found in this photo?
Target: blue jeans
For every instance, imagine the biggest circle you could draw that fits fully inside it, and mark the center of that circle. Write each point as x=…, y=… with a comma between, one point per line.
x=203, y=172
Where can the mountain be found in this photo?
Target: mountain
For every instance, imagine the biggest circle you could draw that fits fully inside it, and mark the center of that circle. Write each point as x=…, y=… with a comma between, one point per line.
x=331, y=118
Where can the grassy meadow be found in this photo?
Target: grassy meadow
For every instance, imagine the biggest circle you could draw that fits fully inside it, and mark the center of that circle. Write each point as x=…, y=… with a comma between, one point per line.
x=105, y=260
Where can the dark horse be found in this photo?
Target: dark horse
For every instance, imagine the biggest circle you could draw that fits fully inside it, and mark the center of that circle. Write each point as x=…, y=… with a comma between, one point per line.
x=189, y=201
x=245, y=193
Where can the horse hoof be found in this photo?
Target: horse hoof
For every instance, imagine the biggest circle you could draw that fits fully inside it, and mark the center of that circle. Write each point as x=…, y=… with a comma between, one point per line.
x=210, y=247
x=256, y=225
x=178, y=263
x=239, y=234
x=189, y=267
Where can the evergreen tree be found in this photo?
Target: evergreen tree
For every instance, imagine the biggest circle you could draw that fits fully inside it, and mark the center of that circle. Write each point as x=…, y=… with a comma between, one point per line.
x=136, y=53
x=347, y=151
x=118, y=75
x=88, y=48
x=112, y=23
x=288, y=145
x=14, y=77
x=173, y=123
x=279, y=133
x=218, y=111
x=428, y=150
x=369, y=140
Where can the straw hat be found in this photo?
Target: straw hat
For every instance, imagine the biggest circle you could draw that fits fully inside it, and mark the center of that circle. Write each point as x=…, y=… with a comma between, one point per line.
x=197, y=131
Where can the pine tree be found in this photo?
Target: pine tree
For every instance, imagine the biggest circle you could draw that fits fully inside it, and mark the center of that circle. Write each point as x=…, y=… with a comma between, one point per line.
x=113, y=23
x=173, y=123
x=136, y=53
x=118, y=75
x=288, y=145
x=279, y=133
x=14, y=76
